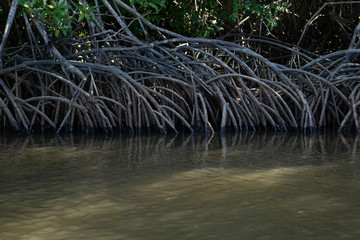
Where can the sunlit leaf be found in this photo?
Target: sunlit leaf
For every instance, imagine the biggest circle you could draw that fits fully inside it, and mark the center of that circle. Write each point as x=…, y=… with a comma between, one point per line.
x=26, y=4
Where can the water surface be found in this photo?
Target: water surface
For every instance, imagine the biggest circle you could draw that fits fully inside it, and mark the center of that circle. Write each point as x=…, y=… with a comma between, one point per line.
x=246, y=186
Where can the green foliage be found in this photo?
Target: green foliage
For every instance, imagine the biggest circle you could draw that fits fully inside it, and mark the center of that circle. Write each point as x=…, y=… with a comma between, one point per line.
x=57, y=15
x=180, y=16
x=85, y=12
x=208, y=18
x=146, y=4
x=203, y=22
x=260, y=10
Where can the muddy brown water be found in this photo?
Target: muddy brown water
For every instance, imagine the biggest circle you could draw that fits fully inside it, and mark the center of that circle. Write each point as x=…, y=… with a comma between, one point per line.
x=237, y=186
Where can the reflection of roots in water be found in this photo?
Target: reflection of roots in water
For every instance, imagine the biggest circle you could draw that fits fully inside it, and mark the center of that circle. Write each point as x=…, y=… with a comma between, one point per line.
x=61, y=212
x=141, y=147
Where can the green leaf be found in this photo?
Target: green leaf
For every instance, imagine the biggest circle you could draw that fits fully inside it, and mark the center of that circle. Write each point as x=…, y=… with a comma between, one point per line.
x=57, y=33
x=65, y=30
x=59, y=11
x=42, y=16
x=154, y=6
x=61, y=3
x=47, y=11
x=132, y=2
x=162, y=3
x=92, y=9
x=81, y=17
x=33, y=3
x=58, y=19
x=26, y=4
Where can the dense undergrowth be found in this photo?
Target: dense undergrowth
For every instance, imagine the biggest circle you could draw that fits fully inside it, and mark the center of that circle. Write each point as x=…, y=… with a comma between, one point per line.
x=111, y=79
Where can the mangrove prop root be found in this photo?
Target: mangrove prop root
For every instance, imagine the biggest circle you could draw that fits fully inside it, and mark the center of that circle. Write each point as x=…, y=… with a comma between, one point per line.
x=114, y=80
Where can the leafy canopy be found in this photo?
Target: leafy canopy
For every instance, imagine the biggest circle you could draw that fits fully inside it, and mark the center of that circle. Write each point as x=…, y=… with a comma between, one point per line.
x=259, y=9
x=205, y=20
x=57, y=15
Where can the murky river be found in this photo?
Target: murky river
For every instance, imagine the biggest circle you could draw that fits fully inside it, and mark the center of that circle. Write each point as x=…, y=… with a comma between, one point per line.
x=243, y=187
